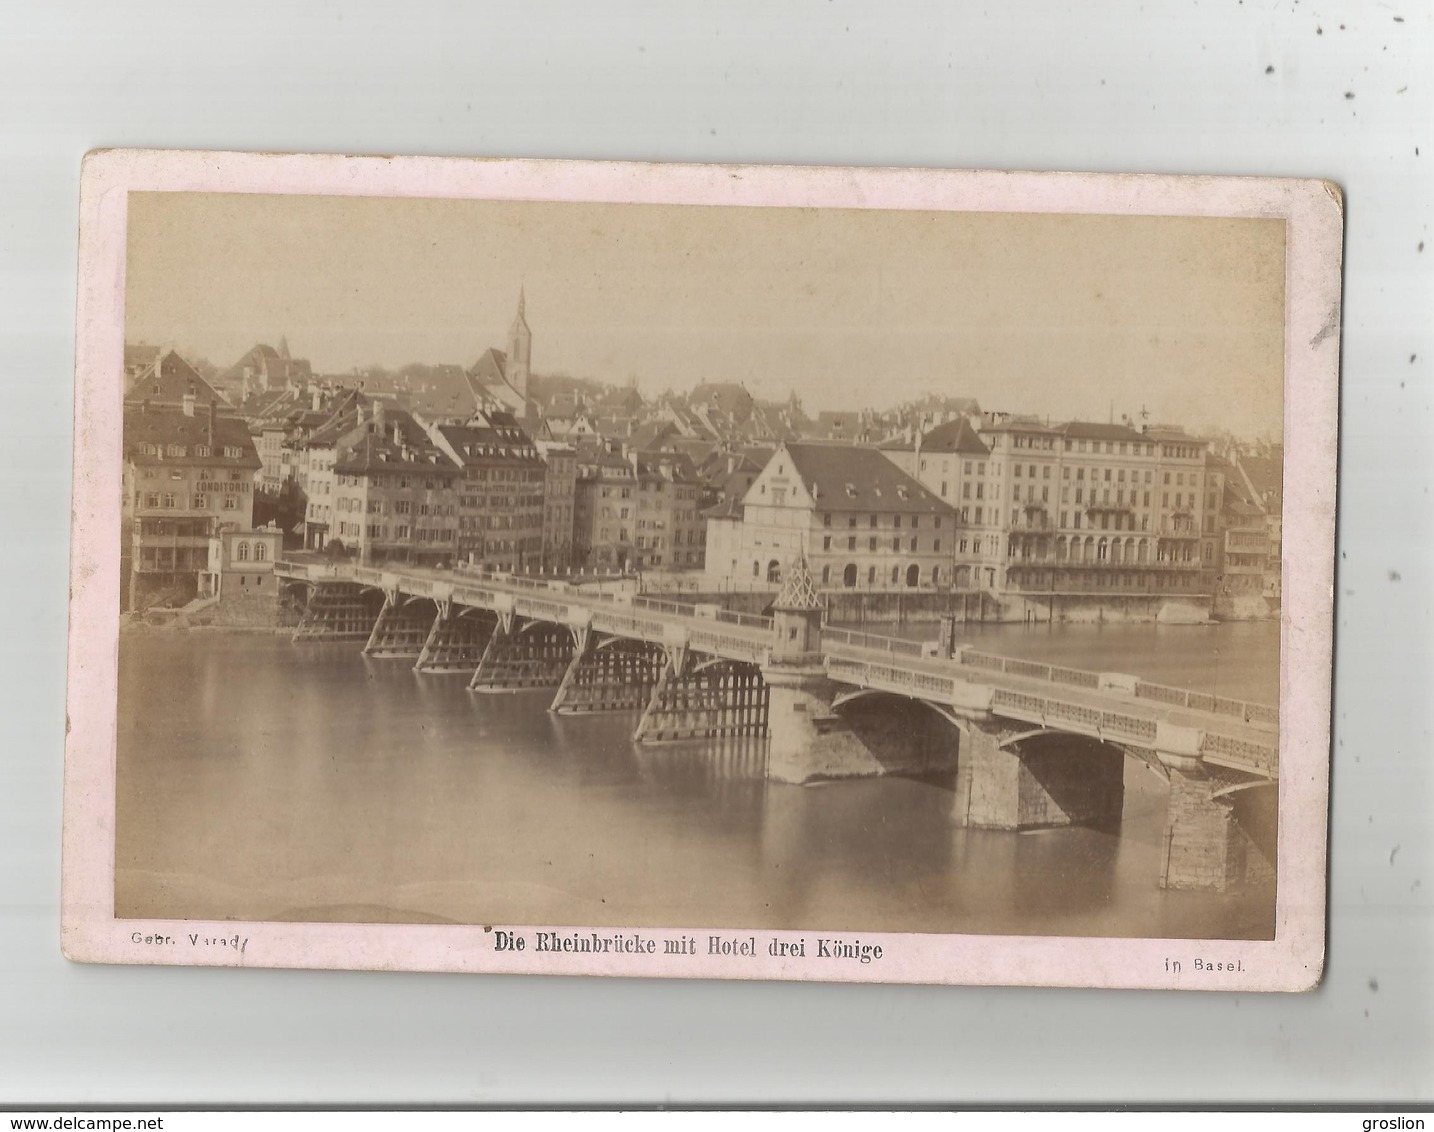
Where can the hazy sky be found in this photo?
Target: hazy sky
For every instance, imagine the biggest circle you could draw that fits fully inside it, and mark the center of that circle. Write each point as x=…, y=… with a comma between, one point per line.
x=1058, y=315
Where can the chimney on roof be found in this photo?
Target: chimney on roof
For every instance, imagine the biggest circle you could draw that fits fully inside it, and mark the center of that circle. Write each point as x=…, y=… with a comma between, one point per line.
x=188, y=401
x=378, y=417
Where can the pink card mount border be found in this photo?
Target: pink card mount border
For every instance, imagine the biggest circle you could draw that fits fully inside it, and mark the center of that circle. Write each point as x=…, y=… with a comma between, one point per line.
x=1293, y=960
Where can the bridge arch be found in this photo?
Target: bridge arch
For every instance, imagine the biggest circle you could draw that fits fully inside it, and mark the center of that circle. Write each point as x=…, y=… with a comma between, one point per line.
x=883, y=727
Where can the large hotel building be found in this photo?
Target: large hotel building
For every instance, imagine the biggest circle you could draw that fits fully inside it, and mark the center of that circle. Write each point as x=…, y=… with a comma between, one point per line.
x=1017, y=507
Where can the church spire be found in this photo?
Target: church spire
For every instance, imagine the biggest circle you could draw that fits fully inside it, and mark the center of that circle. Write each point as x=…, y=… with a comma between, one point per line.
x=520, y=348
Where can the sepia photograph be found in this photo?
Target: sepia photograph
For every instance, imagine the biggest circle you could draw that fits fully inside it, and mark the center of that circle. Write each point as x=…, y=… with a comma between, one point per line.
x=746, y=586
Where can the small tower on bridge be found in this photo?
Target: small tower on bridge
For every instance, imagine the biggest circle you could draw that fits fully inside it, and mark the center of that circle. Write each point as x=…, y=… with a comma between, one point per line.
x=797, y=617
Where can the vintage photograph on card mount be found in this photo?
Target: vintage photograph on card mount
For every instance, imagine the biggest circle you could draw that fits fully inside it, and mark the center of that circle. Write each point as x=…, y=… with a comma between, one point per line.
x=693, y=571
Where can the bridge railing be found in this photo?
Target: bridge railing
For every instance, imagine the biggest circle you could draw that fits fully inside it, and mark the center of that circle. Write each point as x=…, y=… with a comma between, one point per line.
x=1076, y=677
x=1262, y=757
x=750, y=620
x=308, y=571
x=658, y=605
x=1203, y=701
x=1053, y=673
x=538, y=607
x=473, y=595
x=1045, y=710
x=528, y=583
x=720, y=644
x=641, y=627
x=896, y=645
x=886, y=677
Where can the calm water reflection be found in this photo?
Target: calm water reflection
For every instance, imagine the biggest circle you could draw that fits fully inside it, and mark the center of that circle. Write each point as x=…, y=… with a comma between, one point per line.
x=262, y=780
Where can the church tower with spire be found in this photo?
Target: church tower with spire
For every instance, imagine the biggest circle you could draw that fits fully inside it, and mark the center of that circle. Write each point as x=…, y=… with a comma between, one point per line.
x=520, y=350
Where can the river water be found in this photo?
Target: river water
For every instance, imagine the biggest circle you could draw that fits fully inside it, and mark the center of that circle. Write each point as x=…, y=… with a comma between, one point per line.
x=263, y=780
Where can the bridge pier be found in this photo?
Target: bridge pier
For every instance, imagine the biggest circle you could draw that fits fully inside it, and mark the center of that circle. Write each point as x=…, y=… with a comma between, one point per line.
x=608, y=675
x=810, y=741
x=402, y=627
x=705, y=699
x=455, y=642
x=534, y=655
x=1008, y=781
x=1205, y=845
x=338, y=611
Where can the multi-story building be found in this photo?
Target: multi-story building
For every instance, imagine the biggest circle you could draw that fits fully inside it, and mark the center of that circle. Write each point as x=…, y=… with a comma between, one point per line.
x=723, y=552
x=500, y=490
x=1246, y=552
x=188, y=474
x=861, y=522
x=670, y=534
x=395, y=492
x=560, y=477
x=953, y=463
x=275, y=456
x=1262, y=473
x=1093, y=508
x=604, y=508
x=317, y=453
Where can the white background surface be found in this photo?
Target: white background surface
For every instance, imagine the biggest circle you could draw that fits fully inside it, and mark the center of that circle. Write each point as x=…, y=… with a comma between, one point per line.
x=1085, y=86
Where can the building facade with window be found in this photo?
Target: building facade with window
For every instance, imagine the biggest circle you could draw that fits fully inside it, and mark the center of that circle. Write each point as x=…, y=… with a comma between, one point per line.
x=241, y=564
x=604, y=508
x=316, y=453
x=861, y=521
x=395, y=492
x=500, y=490
x=1100, y=508
x=670, y=534
x=560, y=477
x=188, y=474
x=953, y=463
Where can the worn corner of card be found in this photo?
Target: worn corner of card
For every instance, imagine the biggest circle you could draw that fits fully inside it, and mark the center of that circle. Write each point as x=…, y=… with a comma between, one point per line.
x=702, y=572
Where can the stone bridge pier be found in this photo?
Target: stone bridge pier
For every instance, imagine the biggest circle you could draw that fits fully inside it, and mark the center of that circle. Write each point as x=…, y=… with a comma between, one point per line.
x=809, y=739
x=1220, y=829
x=1015, y=779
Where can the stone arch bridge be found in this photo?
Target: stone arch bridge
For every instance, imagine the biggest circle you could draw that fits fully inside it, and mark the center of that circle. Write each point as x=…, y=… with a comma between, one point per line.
x=1036, y=744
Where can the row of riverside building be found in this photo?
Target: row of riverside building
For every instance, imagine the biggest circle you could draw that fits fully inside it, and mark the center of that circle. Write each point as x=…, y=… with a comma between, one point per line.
x=475, y=466
x=1016, y=508
x=360, y=475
